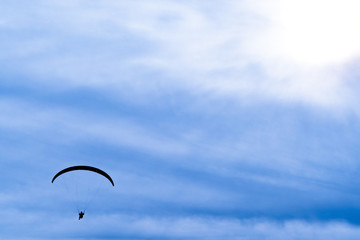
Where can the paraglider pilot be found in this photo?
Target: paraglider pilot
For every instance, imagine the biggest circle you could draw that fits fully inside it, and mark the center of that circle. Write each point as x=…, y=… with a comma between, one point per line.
x=81, y=215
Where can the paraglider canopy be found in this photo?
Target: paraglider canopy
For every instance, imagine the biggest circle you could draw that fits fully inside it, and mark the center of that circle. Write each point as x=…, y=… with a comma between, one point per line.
x=86, y=168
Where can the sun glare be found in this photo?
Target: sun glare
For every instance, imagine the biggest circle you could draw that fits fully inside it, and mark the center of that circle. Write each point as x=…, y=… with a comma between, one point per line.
x=318, y=31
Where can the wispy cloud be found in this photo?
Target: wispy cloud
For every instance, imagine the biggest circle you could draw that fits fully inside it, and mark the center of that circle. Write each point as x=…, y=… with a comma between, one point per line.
x=66, y=126
x=271, y=51
x=134, y=227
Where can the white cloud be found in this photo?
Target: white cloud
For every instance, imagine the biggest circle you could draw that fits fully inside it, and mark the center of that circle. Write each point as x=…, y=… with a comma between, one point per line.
x=295, y=63
x=288, y=51
x=119, y=226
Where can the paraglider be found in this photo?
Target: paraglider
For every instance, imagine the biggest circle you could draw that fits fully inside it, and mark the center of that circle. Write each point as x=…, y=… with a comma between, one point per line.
x=84, y=168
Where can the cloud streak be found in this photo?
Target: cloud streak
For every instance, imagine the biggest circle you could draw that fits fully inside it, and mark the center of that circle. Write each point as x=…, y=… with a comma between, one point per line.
x=134, y=227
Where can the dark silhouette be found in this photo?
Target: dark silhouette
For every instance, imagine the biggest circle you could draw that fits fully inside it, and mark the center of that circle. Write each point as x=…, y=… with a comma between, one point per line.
x=87, y=168
x=81, y=215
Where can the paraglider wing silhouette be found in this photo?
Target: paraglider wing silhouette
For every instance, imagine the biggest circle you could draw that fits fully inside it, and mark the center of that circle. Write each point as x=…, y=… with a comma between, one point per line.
x=86, y=168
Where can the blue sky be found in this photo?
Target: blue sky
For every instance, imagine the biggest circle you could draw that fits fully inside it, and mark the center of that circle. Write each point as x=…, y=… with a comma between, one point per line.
x=216, y=120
